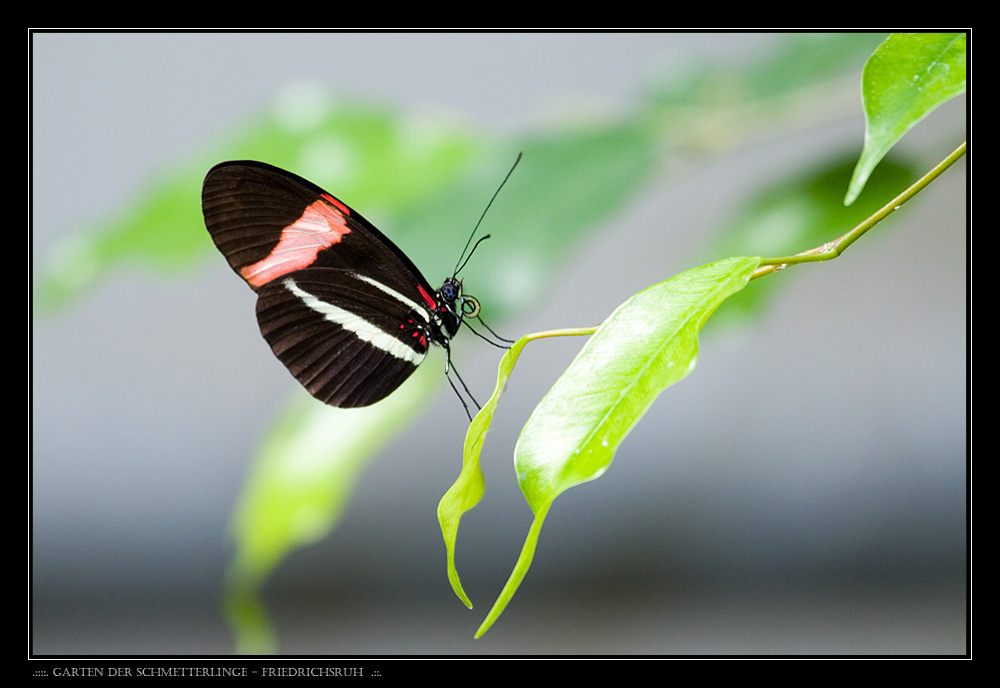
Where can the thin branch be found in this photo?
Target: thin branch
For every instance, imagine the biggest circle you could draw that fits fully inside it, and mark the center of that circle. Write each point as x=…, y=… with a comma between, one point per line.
x=832, y=249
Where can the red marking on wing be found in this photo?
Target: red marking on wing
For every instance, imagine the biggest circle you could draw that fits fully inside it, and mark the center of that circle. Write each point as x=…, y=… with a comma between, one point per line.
x=340, y=206
x=321, y=226
x=427, y=297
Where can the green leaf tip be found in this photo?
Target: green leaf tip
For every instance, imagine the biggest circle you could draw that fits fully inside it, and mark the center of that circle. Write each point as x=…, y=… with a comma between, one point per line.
x=908, y=76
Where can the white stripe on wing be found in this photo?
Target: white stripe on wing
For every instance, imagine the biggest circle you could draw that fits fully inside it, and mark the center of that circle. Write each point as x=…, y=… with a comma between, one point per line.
x=363, y=329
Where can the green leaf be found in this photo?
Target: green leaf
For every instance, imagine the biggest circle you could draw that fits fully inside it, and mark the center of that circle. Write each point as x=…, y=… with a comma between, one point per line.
x=648, y=343
x=468, y=489
x=906, y=77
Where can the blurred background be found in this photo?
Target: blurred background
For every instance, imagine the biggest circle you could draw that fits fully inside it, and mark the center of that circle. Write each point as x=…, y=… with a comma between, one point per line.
x=803, y=491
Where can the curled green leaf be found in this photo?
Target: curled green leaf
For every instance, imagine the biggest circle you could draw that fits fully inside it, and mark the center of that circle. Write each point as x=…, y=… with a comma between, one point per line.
x=906, y=77
x=468, y=489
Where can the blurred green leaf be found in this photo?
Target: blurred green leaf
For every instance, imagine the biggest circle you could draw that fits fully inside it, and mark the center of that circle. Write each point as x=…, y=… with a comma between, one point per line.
x=372, y=158
x=648, y=343
x=906, y=77
x=794, y=61
x=567, y=185
x=805, y=78
x=298, y=488
x=805, y=59
x=801, y=210
x=797, y=60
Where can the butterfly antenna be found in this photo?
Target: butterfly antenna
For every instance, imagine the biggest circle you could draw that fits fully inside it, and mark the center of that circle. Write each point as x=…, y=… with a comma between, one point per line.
x=481, y=240
x=461, y=263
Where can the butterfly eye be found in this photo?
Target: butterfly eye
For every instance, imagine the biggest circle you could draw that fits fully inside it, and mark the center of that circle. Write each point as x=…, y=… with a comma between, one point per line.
x=450, y=290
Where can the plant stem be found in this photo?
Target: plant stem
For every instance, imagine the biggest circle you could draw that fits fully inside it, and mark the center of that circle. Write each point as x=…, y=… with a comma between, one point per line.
x=565, y=332
x=832, y=249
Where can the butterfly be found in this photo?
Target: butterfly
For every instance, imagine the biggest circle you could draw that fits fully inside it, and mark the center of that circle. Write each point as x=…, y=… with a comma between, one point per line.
x=341, y=306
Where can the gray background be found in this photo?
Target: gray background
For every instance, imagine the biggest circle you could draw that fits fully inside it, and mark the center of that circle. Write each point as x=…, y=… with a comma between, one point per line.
x=803, y=491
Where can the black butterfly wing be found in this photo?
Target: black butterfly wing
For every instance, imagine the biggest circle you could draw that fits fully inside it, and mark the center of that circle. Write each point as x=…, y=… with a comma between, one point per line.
x=341, y=306
x=346, y=339
x=268, y=222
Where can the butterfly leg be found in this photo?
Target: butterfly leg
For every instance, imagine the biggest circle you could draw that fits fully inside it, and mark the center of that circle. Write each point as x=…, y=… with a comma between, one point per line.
x=449, y=367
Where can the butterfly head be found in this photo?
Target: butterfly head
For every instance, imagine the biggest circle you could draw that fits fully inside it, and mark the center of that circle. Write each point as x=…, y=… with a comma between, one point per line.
x=451, y=290
x=458, y=304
